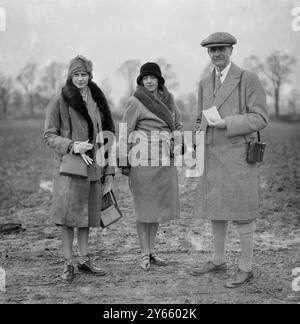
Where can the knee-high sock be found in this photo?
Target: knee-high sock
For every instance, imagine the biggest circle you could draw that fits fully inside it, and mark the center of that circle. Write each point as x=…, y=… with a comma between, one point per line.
x=246, y=232
x=219, y=231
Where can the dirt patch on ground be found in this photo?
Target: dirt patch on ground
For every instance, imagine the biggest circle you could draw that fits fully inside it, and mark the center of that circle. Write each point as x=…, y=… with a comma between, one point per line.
x=32, y=258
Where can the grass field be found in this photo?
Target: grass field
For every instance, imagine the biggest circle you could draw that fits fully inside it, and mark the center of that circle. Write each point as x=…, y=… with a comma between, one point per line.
x=32, y=258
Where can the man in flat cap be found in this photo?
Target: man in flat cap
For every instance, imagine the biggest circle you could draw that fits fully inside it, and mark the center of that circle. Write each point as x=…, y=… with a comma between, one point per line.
x=228, y=189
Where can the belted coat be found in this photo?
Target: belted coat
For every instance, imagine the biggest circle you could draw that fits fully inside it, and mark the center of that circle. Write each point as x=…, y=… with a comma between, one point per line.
x=77, y=202
x=154, y=188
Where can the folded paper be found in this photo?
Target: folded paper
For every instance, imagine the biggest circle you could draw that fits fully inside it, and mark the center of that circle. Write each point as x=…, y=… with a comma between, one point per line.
x=211, y=113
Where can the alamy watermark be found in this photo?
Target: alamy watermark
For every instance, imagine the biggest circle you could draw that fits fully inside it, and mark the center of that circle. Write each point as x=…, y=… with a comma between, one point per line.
x=2, y=19
x=141, y=148
x=2, y=280
x=296, y=21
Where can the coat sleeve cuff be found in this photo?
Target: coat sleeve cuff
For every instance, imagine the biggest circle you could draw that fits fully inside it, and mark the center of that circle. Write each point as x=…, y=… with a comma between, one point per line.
x=110, y=170
x=234, y=125
x=65, y=146
x=71, y=148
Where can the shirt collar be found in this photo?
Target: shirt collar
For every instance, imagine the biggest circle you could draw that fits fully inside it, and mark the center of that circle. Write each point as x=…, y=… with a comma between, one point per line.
x=224, y=72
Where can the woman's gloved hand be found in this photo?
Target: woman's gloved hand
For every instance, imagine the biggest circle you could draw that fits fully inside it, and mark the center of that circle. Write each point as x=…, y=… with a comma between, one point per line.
x=178, y=148
x=87, y=159
x=82, y=147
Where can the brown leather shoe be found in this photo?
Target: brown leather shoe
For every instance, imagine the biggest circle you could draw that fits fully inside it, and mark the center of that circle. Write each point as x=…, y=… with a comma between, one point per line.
x=68, y=273
x=90, y=268
x=209, y=267
x=155, y=259
x=240, y=278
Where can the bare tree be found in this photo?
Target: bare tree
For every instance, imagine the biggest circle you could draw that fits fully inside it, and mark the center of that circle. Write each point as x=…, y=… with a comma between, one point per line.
x=294, y=101
x=191, y=101
x=17, y=102
x=27, y=78
x=129, y=70
x=253, y=64
x=187, y=104
x=106, y=88
x=278, y=69
x=275, y=71
x=180, y=103
x=53, y=79
x=5, y=93
x=168, y=73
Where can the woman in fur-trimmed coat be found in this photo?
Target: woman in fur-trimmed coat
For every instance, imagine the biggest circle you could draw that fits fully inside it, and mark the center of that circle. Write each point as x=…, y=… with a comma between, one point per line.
x=73, y=120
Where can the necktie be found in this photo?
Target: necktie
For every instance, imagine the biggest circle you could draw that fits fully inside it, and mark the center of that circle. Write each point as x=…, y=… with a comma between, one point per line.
x=218, y=82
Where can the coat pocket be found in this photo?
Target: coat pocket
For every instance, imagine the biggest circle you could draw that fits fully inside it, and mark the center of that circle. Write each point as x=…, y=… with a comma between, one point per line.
x=238, y=140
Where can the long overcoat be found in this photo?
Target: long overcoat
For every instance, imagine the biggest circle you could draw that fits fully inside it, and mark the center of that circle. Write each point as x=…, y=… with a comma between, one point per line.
x=77, y=202
x=228, y=188
x=154, y=188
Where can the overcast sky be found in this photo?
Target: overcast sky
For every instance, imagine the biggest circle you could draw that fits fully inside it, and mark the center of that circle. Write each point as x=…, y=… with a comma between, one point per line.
x=111, y=31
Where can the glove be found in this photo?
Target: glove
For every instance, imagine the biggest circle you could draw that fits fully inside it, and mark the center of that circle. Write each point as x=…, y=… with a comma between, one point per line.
x=87, y=159
x=82, y=147
x=178, y=149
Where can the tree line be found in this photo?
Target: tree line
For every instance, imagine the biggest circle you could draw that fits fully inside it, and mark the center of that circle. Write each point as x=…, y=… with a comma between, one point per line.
x=29, y=93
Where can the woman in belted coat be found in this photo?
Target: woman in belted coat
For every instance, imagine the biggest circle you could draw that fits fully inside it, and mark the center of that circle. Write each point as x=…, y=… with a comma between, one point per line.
x=150, y=118
x=73, y=120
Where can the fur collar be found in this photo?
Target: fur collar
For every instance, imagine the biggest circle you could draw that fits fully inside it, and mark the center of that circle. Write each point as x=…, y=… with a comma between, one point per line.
x=159, y=107
x=73, y=98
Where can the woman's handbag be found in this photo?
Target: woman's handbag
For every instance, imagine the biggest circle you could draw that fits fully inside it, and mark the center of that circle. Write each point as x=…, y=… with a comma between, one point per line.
x=73, y=166
x=110, y=212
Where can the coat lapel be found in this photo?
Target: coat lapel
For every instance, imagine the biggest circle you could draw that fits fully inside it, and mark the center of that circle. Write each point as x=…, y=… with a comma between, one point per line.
x=208, y=92
x=155, y=105
x=91, y=105
x=229, y=84
x=73, y=99
x=210, y=89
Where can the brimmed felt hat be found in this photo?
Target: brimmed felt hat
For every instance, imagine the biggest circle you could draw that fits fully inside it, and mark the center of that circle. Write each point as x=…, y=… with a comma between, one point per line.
x=150, y=68
x=219, y=39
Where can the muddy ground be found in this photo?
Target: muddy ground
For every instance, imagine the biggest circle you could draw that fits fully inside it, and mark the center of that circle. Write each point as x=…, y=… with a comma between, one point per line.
x=32, y=258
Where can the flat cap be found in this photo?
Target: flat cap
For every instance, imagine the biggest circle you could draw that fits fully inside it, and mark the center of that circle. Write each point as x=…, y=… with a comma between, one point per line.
x=219, y=39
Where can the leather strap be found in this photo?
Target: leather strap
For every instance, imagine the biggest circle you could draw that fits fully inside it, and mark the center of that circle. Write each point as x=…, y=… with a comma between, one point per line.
x=240, y=101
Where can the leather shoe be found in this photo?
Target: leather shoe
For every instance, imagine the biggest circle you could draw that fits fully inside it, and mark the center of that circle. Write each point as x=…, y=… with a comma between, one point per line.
x=145, y=262
x=240, y=278
x=155, y=259
x=209, y=267
x=68, y=273
x=90, y=268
